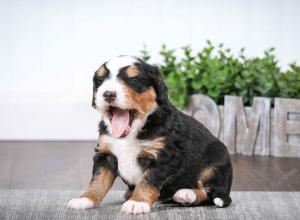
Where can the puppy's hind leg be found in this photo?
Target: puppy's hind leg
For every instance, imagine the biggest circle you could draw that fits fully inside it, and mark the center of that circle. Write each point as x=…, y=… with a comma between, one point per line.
x=189, y=197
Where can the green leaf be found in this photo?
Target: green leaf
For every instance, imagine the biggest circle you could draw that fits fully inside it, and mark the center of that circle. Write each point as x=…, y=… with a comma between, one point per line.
x=216, y=71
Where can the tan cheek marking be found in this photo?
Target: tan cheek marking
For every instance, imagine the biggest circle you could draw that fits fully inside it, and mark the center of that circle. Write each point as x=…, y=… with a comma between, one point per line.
x=142, y=102
x=101, y=71
x=207, y=174
x=153, y=148
x=144, y=192
x=132, y=71
x=99, y=185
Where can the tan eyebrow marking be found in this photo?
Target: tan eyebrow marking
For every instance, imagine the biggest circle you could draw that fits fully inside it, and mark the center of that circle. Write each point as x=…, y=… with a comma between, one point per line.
x=101, y=71
x=132, y=71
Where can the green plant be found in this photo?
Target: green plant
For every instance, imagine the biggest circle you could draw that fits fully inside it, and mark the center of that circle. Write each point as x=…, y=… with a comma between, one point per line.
x=216, y=72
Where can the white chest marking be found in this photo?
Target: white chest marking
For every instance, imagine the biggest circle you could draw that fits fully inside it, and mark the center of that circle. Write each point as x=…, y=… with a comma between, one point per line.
x=126, y=150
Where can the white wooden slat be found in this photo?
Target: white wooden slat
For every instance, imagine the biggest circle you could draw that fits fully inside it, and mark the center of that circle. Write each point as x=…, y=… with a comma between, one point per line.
x=255, y=130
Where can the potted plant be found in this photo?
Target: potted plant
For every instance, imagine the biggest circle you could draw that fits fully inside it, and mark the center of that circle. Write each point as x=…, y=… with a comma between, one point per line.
x=229, y=82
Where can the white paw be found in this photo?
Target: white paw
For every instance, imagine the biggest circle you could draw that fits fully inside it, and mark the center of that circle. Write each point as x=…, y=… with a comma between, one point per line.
x=80, y=203
x=134, y=207
x=184, y=196
x=218, y=202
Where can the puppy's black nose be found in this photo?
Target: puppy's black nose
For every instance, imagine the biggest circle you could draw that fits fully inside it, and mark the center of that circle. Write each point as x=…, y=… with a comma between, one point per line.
x=109, y=96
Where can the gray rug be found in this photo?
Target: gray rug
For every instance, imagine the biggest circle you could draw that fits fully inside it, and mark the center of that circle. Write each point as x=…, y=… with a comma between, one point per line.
x=46, y=204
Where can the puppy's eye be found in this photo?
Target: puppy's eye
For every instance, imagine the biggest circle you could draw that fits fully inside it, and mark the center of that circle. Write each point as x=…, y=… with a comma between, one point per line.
x=98, y=81
x=133, y=80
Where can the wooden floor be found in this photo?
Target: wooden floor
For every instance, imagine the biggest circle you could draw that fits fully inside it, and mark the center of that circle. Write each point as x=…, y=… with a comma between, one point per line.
x=67, y=165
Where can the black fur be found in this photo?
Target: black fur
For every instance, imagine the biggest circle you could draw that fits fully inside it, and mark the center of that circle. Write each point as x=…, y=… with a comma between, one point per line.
x=104, y=160
x=139, y=83
x=97, y=81
x=102, y=128
x=189, y=146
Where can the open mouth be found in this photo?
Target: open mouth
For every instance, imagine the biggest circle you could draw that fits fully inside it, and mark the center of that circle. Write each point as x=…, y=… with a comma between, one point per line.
x=121, y=120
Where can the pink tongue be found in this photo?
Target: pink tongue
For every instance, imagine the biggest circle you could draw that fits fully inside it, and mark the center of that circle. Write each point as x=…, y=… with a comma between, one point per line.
x=120, y=122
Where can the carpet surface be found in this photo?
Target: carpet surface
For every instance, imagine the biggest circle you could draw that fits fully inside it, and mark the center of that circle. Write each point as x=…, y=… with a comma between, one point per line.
x=47, y=204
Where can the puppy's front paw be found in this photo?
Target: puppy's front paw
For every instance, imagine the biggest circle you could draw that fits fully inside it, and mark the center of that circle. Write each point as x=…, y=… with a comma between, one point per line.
x=134, y=207
x=185, y=196
x=81, y=203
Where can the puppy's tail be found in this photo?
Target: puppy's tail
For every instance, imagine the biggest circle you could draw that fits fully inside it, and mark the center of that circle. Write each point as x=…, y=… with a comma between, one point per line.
x=220, y=198
x=222, y=202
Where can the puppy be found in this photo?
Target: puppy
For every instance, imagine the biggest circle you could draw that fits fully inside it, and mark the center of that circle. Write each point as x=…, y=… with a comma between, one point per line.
x=158, y=151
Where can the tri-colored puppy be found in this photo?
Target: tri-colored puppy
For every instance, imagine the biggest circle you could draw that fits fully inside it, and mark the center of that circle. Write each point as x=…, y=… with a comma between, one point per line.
x=158, y=151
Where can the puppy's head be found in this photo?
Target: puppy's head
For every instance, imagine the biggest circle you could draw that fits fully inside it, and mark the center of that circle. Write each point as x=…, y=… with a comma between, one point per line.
x=126, y=90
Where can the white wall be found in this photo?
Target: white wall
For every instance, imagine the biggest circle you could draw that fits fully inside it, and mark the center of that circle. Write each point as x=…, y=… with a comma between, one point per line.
x=50, y=49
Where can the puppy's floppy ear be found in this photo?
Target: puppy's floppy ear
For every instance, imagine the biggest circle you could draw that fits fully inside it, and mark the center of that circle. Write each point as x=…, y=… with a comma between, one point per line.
x=158, y=84
x=94, y=90
x=93, y=101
